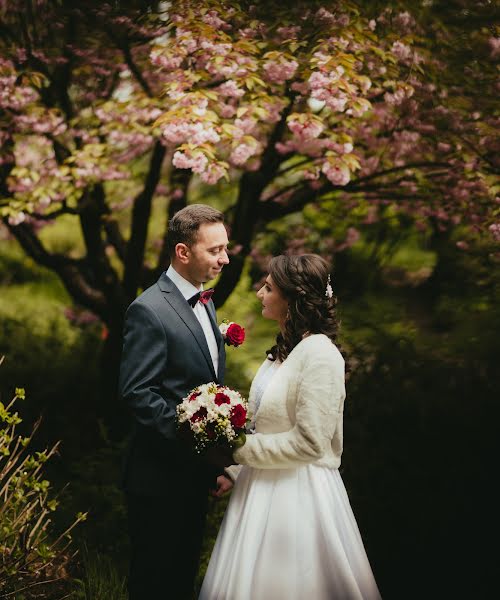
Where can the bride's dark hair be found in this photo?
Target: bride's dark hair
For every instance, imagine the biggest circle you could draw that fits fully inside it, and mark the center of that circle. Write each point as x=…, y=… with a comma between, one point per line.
x=302, y=280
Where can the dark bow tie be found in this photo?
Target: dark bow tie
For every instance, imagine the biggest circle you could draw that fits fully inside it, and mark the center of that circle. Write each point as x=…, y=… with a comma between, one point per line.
x=203, y=297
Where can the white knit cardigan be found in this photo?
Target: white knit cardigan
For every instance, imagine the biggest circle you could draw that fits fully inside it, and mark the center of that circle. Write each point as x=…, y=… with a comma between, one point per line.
x=299, y=420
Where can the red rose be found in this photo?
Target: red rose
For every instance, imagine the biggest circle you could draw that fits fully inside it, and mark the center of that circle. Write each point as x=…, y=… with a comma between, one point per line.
x=210, y=430
x=199, y=415
x=193, y=396
x=238, y=416
x=235, y=335
x=221, y=398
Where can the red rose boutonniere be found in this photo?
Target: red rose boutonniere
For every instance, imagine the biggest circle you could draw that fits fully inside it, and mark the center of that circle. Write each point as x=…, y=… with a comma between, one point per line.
x=233, y=334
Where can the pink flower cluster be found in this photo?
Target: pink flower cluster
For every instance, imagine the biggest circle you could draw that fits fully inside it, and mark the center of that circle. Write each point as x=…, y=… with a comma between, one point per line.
x=306, y=129
x=194, y=132
x=401, y=51
x=494, y=229
x=325, y=88
x=230, y=89
x=41, y=122
x=279, y=71
x=213, y=173
x=336, y=171
x=212, y=18
x=197, y=162
x=242, y=152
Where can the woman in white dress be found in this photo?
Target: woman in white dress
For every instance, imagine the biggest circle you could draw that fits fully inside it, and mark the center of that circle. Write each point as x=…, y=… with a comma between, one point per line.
x=289, y=532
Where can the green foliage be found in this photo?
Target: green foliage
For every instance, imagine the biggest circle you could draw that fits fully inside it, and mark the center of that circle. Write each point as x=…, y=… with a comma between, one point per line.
x=40, y=345
x=31, y=554
x=100, y=581
x=243, y=307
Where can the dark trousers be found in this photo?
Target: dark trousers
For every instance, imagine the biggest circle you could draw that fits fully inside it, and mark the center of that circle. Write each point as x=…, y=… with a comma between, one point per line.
x=166, y=534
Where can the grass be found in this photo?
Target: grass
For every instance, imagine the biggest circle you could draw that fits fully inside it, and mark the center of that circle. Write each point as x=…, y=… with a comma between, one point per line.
x=101, y=580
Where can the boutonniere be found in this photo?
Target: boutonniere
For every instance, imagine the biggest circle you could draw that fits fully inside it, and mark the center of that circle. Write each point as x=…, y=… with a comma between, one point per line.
x=233, y=334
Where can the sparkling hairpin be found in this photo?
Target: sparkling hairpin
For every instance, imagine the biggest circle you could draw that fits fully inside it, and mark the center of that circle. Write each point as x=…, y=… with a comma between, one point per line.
x=328, y=291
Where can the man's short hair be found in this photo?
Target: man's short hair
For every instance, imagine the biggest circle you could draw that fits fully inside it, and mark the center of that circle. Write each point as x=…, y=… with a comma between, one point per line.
x=183, y=226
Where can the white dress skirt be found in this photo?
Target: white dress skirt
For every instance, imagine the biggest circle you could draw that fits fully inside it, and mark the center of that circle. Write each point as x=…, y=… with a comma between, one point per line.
x=288, y=534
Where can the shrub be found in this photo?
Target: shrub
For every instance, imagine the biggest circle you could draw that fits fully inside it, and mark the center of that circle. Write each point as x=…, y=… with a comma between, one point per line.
x=31, y=553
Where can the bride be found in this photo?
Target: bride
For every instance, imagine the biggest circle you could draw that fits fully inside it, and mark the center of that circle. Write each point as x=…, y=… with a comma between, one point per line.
x=289, y=532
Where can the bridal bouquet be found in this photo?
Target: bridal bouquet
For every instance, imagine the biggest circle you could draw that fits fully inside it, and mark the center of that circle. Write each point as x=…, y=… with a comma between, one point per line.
x=213, y=415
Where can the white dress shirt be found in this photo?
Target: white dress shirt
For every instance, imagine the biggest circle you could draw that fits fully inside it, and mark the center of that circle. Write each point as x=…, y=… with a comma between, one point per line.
x=188, y=290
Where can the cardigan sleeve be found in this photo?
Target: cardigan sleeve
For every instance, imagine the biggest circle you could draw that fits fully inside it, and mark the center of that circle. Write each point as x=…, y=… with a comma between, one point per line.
x=320, y=395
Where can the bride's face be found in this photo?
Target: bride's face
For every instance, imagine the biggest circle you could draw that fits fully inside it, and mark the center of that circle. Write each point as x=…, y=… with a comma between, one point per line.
x=274, y=304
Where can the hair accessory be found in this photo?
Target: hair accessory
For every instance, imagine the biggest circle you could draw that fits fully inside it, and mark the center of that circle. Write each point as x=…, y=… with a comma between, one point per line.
x=328, y=291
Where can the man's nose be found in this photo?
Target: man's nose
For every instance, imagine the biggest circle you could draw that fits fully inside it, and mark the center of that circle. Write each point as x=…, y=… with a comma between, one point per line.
x=224, y=258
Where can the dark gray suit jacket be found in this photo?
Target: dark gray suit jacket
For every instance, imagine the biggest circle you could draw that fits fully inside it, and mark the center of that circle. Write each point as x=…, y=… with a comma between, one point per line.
x=165, y=355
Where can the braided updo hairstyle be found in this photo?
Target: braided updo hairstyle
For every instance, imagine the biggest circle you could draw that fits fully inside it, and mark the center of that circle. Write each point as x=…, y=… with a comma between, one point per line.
x=302, y=280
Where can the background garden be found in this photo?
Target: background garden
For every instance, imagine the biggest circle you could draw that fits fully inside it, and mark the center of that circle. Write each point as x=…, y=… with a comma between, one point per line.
x=363, y=131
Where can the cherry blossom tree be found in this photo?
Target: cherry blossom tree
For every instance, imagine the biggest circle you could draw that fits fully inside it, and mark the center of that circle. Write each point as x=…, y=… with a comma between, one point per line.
x=289, y=106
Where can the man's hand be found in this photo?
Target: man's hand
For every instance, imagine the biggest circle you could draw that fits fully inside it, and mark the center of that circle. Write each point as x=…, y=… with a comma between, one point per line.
x=224, y=484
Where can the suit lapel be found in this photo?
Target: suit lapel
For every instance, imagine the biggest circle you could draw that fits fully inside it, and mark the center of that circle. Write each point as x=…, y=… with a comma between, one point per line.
x=220, y=340
x=178, y=303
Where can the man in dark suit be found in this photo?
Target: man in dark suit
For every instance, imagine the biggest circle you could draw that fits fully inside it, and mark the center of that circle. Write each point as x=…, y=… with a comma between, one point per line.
x=171, y=344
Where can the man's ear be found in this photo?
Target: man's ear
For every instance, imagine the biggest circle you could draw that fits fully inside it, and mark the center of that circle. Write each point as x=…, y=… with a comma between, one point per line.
x=182, y=252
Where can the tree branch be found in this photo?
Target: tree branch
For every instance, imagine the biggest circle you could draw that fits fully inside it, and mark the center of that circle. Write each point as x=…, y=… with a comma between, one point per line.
x=416, y=165
x=127, y=54
x=71, y=271
x=139, y=227
x=179, y=183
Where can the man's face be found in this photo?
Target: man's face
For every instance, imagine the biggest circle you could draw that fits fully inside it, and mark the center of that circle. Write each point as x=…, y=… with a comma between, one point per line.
x=208, y=255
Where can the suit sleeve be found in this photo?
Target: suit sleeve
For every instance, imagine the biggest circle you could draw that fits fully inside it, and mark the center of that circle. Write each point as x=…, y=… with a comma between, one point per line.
x=320, y=395
x=145, y=353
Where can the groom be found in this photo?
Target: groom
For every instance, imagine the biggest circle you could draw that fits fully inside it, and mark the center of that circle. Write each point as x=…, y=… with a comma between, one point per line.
x=171, y=344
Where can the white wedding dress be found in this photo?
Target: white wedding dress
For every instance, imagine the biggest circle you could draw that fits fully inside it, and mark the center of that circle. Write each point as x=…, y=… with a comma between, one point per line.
x=288, y=534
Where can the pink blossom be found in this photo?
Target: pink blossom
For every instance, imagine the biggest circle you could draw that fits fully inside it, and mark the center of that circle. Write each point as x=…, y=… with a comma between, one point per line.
x=197, y=163
x=242, y=153
x=312, y=174
x=177, y=194
x=404, y=21
x=494, y=44
x=401, y=51
x=216, y=49
x=185, y=39
x=325, y=16
x=229, y=88
x=300, y=86
x=245, y=126
x=212, y=19
x=396, y=98
x=280, y=71
x=288, y=32
x=284, y=147
x=17, y=219
x=442, y=147
x=337, y=172
x=352, y=236
x=165, y=60
x=227, y=111
x=213, y=173
x=337, y=102
x=196, y=132
x=305, y=130
x=494, y=229
x=462, y=245
x=318, y=80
